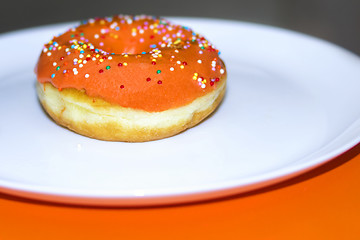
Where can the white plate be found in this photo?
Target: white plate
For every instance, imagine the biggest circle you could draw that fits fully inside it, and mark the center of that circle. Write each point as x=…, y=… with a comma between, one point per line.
x=292, y=103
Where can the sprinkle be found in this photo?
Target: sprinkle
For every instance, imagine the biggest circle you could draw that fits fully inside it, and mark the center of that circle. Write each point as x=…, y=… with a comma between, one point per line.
x=121, y=86
x=80, y=65
x=182, y=66
x=108, y=67
x=148, y=79
x=125, y=64
x=101, y=71
x=54, y=64
x=158, y=71
x=199, y=61
x=53, y=75
x=49, y=54
x=87, y=75
x=120, y=64
x=171, y=69
x=159, y=82
x=58, y=68
x=222, y=71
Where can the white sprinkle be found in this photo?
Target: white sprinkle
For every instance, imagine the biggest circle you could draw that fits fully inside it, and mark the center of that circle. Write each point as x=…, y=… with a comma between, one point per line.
x=203, y=85
x=110, y=57
x=45, y=50
x=171, y=69
x=54, y=64
x=199, y=61
x=222, y=71
x=178, y=62
x=96, y=36
x=49, y=54
x=201, y=52
x=94, y=58
x=75, y=69
x=80, y=65
x=87, y=75
x=75, y=73
x=84, y=62
x=81, y=56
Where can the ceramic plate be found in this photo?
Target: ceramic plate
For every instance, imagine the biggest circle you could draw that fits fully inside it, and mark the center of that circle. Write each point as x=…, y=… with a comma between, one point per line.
x=292, y=103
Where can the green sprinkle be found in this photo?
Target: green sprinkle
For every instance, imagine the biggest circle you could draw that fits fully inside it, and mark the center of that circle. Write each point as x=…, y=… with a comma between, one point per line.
x=58, y=67
x=158, y=71
x=108, y=67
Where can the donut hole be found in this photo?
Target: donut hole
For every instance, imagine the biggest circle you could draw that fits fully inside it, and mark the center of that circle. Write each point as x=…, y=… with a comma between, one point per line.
x=126, y=40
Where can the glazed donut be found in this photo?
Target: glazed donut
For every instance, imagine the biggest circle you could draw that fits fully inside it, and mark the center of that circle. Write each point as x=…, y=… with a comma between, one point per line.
x=129, y=78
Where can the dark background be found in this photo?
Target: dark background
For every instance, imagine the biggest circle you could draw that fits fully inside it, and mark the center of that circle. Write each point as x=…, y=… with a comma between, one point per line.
x=337, y=21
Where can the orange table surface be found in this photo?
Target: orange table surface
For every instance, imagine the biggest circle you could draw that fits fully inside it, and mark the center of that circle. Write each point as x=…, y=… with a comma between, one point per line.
x=321, y=204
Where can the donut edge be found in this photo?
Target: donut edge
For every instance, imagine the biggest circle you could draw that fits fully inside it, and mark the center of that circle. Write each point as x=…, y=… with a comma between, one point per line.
x=98, y=119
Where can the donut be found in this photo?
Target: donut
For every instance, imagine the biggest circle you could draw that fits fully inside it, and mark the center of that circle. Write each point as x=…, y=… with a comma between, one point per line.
x=129, y=78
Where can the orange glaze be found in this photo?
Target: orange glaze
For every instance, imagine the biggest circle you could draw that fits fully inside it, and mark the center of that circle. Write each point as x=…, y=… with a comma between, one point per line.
x=138, y=62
